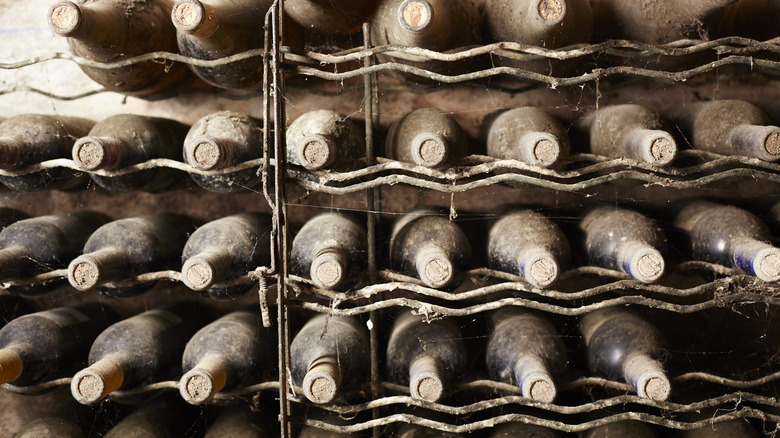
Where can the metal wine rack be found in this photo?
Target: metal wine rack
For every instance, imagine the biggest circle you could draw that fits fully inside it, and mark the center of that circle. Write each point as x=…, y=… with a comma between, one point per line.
x=386, y=403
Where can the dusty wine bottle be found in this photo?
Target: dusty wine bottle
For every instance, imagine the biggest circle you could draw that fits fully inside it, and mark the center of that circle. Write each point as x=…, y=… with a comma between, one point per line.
x=329, y=249
x=50, y=426
x=223, y=250
x=50, y=344
x=427, y=137
x=221, y=140
x=620, y=429
x=729, y=236
x=427, y=356
x=330, y=357
x=623, y=239
x=620, y=344
x=323, y=138
x=526, y=243
x=429, y=247
x=124, y=140
x=509, y=430
x=437, y=25
x=628, y=131
x=530, y=135
x=128, y=247
x=326, y=17
x=29, y=139
x=163, y=417
x=730, y=127
x=214, y=29
x=112, y=31
x=137, y=350
x=524, y=350
x=239, y=423
x=737, y=428
x=228, y=353
x=33, y=246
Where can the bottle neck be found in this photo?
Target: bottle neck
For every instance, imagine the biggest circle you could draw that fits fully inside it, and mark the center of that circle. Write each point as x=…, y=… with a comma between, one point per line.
x=429, y=149
x=534, y=380
x=11, y=365
x=646, y=376
x=99, y=153
x=425, y=380
x=97, y=22
x=416, y=21
x=207, y=153
x=202, y=270
x=543, y=18
x=640, y=260
x=650, y=145
x=10, y=153
x=756, y=258
x=93, y=384
x=539, y=266
x=316, y=152
x=200, y=384
x=434, y=266
x=97, y=267
x=756, y=141
x=328, y=268
x=322, y=381
x=539, y=148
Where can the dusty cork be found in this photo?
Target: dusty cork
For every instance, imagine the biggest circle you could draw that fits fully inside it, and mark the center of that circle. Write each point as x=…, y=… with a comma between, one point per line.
x=545, y=151
x=314, y=154
x=662, y=150
x=205, y=154
x=199, y=275
x=88, y=155
x=550, y=10
x=438, y=271
x=64, y=17
x=432, y=151
x=543, y=272
x=770, y=267
x=542, y=391
x=415, y=15
x=188, y=14
x=772, y=143
x=82, y=274
x=429, y=388
x=321, y=390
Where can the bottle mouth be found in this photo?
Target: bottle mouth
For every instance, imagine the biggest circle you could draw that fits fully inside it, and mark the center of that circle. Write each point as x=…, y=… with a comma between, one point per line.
x=89, y=153
x=83, y=273
x=434, y=268
x=551, y=11
x=415, y=15
x=539, y=387
x=427, y=386
x=197, y=387
x=197, y=274
x=654, y=386
x=64, y=18
x=327, y=269
x=662, y=150
x=766, y=264
x=647, y=265
x=429, y=149
x=540, y=149
x=205, y=155
x=541, y=269
x=188, y=15
x=315, y=153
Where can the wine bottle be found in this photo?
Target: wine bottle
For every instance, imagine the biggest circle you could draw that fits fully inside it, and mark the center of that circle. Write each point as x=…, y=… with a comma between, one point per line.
x=620, y=344
x=530, y=135
x=437, y=25
x=114, y=30
x=137, y=351
x=524, y=350
x=225, y=249
x=620, y=429
x=329, y=249
x=326, y=17
x=239, y=423
x=509, y=430
x=736, y=428
x=221, y=140
x=214, y=29
x=229, y=353
x=128, y=247
x=50, y=426
x=429, y=247
x=729, y=236
x=622, y=239
x=323, y=138
x=526, y=243
x=50, y=344
x=628, y=131
x=427, y=356
x=29, y=139
x=730, y=127
x=330, y=357
x=162, y=417
x=427, y=137
x=124, y=140
x=33, y=246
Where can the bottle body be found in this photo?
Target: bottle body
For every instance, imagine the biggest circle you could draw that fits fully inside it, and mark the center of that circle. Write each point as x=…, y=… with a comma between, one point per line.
x=529, y=135
x=329, y=357
x=29, y=139
x=224, y=249
x=330, y=249
x=429, y=247
x=128, y=247
x=621, y=345
x=322, y=16
x=427, y=137
x=427, y=356
x=221, y=140
x=526, y=243
x=623, y=239
x=322, y=139
x=629, y=131
x=524, y=350
x=124, y=140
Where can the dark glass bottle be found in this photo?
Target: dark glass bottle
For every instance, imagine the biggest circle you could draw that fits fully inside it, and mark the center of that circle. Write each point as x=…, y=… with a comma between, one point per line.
x=128, y=247
x=225, y=249
x=428, y=356
x=329, y=249
x=526, y=243
x=137, y=351
x=427, y=137
x=124, y=140
x=622, y=239
x=438, y=25
x=330, y=357
x=328, y=17
x=229, y=353
x=214, y=29
x=115, y=30
x=50, y=426
x=50, y=344
x=429, y=247
x=221, y=140
x=165, y=416
x=530, y=135
x=729, y=236
x=239, y=423
x=620, y=429
x=628, y=131
x=730, y=127
x=322, y=139
x=29, y=139
x=622, y=345
x=33, y=246
x=524, y=350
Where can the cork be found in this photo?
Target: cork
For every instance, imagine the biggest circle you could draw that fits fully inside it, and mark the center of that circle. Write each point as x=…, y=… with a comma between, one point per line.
x=9, y=153
x=83, y=273
x=424, y=379
x=11, y=365
x=641, y=261
x=540, y=268
x=315, y=154
x=551, y=10
x=64, y=18
x=200, y=384
x=429, y=149
x=321, y=383
x=646, y=376
x=434, y=267
x=93, y=384
x=93, y=153
x=198, y=274
x=206, y=154
x=415, y=15
x=328, y=268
